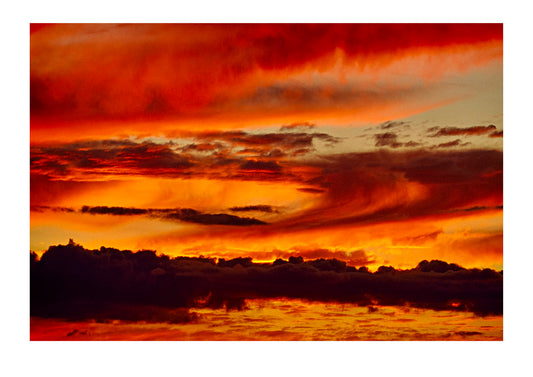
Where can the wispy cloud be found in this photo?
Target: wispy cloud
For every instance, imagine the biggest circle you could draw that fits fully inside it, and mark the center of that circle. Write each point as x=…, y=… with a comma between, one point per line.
x=175, y=214
x=456, y=131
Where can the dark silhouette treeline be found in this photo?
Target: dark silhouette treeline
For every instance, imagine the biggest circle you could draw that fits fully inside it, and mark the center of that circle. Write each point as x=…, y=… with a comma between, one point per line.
x=71, y=282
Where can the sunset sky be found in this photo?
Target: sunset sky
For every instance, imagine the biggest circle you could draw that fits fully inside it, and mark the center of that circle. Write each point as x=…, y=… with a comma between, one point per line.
x=372, y=144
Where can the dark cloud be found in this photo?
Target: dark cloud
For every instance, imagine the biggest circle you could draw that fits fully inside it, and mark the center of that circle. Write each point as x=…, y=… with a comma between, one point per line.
x=496, y=134
x=455, y=143
x=297, y=125
x=203, y=147
x=259, y=208
x=153, y=157
x=264, y=166
x=283, y=140
x=70, y=281
x=390, y=139
x=119, y=211
x=391, y=124
x=179, y=214
x=215, y=219
x=193, y=216
x=479, y=208
x=219, y=155
x=371, y=187
x=354, y=187
x=419, y=239
x=387, y=139
x=456, y=131
x=453, y=167
x=107, y=157
x=278, y=153
x=311, y=190
x=40, y=208
x=467, y=333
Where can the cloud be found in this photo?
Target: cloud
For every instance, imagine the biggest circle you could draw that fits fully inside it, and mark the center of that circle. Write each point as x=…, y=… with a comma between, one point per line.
x=297, y=125
x=478, y=208
x=284, y=140
x=455, y=143
x=70, y=281
x=107, y=157
x=259, y=208
x=41, y=208
x=119, y=211
x=391, y=124
x=203, y=147
x=456, y=131
x=381, y=186
x=390, y=139
x=220, y=155
x=496, y=134
x=352, y=188
x=151, y=72
x=419, y=239
x=181, y=214
x=215, y=219
x=387, y=139
x=311, y=190
x=260, y=166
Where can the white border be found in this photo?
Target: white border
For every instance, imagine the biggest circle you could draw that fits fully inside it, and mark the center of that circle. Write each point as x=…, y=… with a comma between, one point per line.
x=20, y=357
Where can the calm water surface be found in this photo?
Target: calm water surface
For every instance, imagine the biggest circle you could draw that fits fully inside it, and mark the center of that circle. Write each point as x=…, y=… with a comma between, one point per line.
x=285, y=319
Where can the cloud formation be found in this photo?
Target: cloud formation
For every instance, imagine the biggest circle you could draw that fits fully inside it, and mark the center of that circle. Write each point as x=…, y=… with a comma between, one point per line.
x=235, y=154
x=181, y=214
x=39, y=208
x=119, y=211
x=362, y=188
x=387, y=139
x=297, y=125
x=350, y=188
x=235, y=76
x=107, y=157
x=259, y=208
x=65, y=80
x=214, y=219
x=455, y=143
x=456, y=131
x=390, y=139
x=392, y=124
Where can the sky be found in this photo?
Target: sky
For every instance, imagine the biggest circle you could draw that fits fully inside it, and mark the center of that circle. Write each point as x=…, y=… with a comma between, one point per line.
x=375, y=144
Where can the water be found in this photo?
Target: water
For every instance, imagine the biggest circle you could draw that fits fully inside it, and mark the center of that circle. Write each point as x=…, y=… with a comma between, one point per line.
x=284, y=319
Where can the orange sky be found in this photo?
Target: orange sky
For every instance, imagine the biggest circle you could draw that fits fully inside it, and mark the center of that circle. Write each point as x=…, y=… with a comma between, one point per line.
x=374, y=144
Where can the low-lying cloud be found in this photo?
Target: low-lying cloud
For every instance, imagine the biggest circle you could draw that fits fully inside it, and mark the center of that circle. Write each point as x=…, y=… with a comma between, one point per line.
x=258, y=208
x=176, y=214
x=457, y=131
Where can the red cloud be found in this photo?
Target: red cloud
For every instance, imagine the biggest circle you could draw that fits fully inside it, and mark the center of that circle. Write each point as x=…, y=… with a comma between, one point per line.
x=84, y=71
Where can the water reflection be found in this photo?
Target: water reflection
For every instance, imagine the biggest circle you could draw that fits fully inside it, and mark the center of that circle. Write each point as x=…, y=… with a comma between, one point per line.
x=284, y=319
